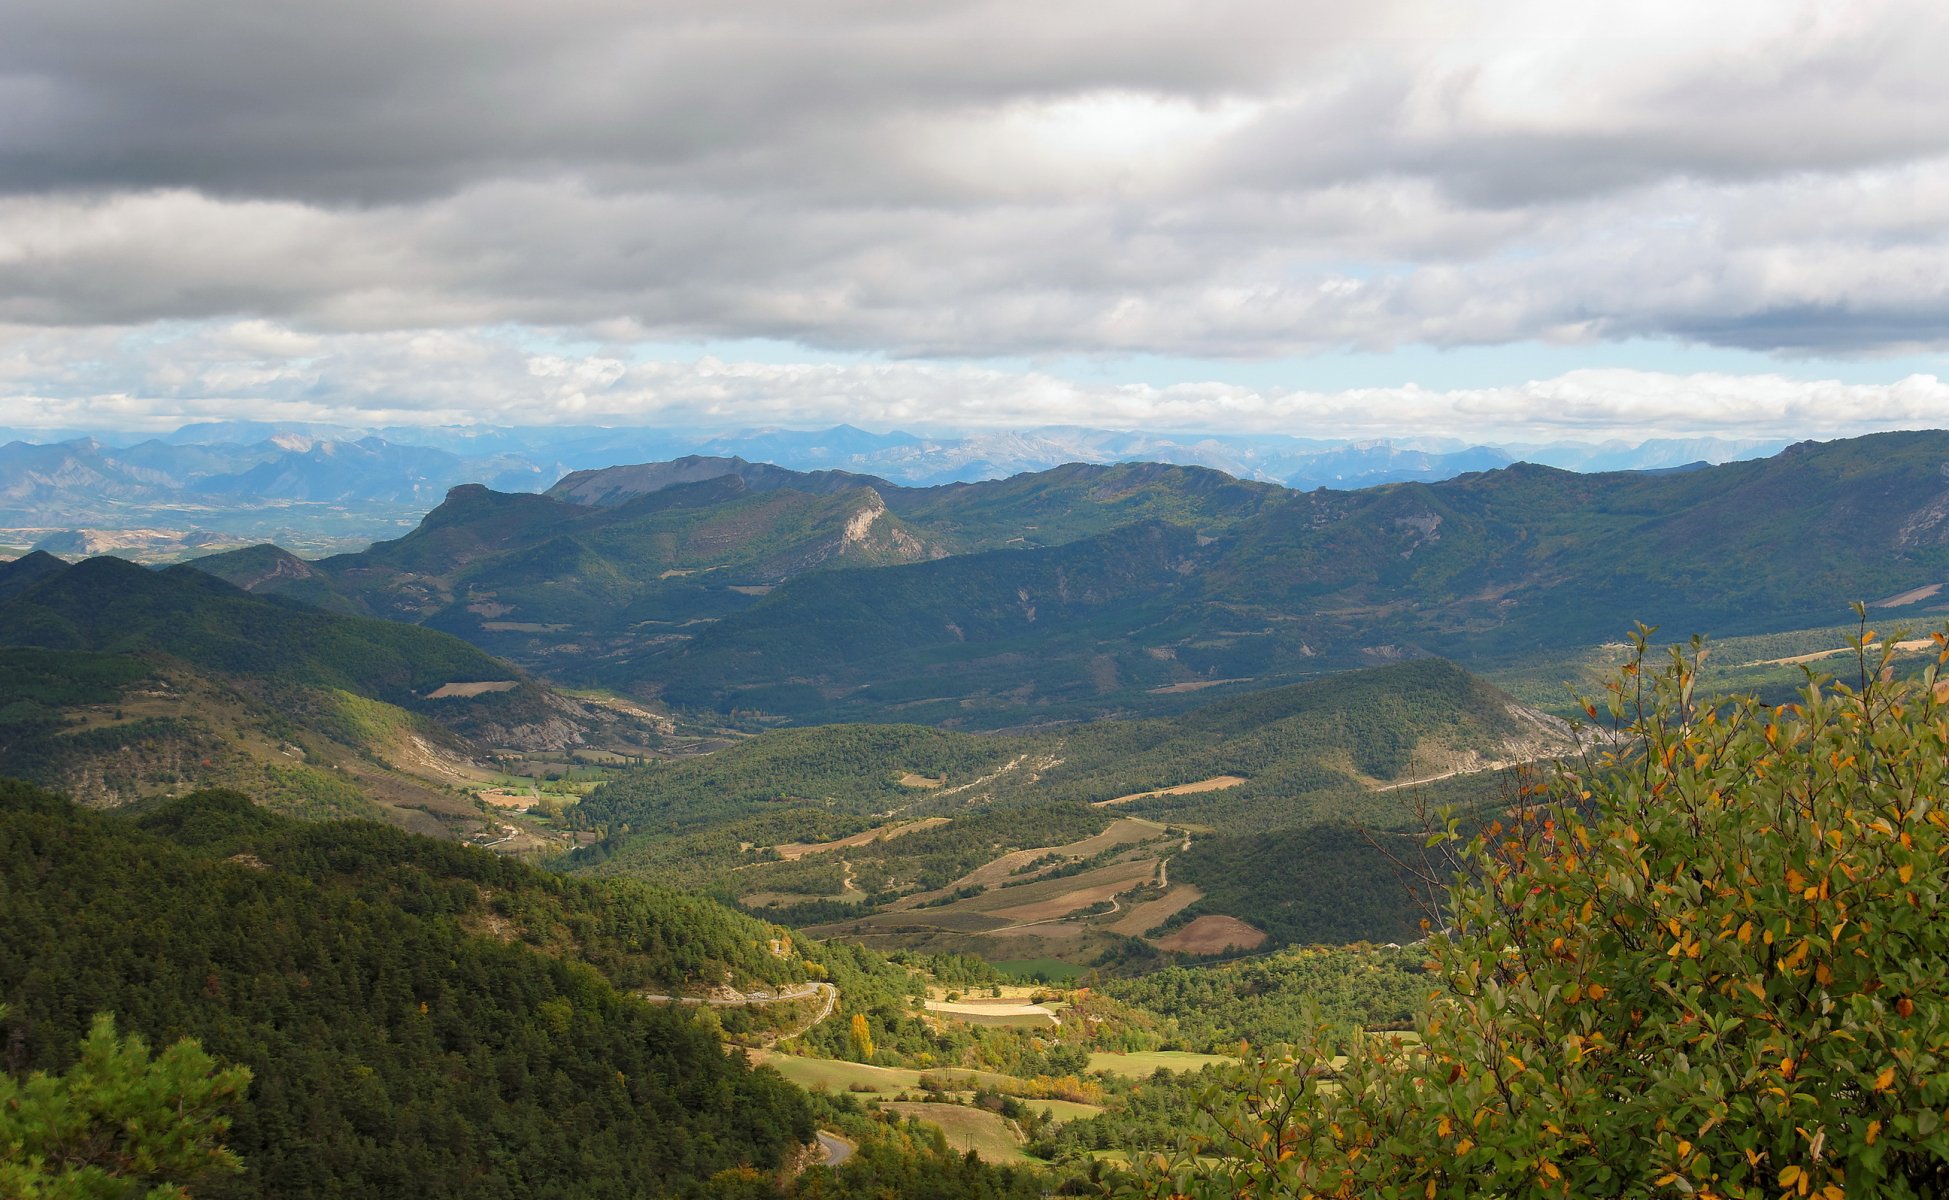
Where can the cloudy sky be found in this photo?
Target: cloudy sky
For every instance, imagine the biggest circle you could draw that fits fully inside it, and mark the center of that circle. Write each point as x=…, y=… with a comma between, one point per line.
x=1569, y=218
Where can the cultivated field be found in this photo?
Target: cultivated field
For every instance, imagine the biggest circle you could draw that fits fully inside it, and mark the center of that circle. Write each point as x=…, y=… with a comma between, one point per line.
x=977, y=1129
x=793, y=851
x=1212, y=935
x=448, y=691
x=1215, y=784
x=1137, y=1066
x=993, y=1012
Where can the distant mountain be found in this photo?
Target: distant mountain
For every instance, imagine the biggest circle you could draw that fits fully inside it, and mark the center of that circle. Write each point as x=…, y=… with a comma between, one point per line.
x=611, y=486
x=1485, y=568
x=366, y=471
x=118, y=682
x=1653, y=455
x=318, y=486
x=159, y=499
x=1085, y=589
x=650, y=554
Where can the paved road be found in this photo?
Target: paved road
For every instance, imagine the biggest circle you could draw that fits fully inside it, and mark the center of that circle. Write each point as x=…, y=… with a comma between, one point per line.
x=837, y=1148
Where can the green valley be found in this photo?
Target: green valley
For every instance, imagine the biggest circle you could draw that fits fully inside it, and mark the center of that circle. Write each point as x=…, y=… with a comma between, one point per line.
x=1089, y=843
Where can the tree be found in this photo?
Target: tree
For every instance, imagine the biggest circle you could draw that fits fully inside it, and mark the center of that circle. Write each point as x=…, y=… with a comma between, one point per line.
x=862, y=1038
x=119, y=1123
x=1706, y=962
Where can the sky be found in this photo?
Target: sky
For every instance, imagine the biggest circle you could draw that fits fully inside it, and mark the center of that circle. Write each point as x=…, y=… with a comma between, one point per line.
x=1571, y=219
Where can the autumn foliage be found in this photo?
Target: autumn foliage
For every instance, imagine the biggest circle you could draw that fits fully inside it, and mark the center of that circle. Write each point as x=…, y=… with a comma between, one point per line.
x=1709, y=961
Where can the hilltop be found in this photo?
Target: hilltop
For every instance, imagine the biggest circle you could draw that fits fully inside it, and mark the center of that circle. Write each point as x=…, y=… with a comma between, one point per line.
x=122, y=682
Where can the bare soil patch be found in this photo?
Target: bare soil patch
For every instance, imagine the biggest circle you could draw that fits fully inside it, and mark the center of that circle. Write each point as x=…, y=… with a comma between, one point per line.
x=1214, y=784
x=1096, y=887
x=1120, y=832
x=992, y=1008
x=1911, y=596
x=448, y=691
x=909, y=779
x=793, y=851
x=1910, y=646
x=1213, y=935
x=1152, y=913
x=1194, y=685
x=505, y=798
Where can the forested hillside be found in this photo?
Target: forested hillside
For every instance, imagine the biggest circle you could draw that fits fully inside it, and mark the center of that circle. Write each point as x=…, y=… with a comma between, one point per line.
x=419, y=1018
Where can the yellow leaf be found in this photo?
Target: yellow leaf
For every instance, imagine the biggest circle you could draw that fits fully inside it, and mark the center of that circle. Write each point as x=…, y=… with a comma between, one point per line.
x=1906, y=873
x=1885, y=1080
x=1788, y=1175
x=1874, y=1131
x=1464, y=1146
x=1597, y=991
x=1550, y=1169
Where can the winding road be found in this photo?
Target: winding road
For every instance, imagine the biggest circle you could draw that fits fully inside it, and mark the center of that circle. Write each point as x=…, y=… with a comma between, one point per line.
x=837, y=1148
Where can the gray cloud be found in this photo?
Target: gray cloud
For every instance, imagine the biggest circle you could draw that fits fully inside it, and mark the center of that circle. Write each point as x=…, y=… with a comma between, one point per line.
x=987, y=177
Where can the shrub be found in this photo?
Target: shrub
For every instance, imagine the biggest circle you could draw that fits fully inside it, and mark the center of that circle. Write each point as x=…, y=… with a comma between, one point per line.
x=1707, y=962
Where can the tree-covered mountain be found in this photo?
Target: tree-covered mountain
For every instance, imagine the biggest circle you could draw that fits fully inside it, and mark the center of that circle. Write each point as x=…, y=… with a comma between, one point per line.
x=418, y=1017
x=1088, y=590
x=613, y=564
x=1486, y=569
x=121, y=682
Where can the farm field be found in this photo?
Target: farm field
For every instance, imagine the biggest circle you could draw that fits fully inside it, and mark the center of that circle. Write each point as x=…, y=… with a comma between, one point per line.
x=1138, y=1065
x=1054, y=969
x=793, y=851
x=993, y=1012
x=1064, y=1110
x=1213, y=935
x=986, y=1133
x=839, y=1076
x=1215, y=784
x=1068, y=846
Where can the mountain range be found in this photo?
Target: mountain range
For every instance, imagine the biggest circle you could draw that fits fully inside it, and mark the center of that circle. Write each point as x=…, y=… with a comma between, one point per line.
x=729, y=587
x=321, y=487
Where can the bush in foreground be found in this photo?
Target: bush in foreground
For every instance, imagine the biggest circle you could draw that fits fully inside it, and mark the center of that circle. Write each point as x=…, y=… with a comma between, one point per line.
x=1709, y=962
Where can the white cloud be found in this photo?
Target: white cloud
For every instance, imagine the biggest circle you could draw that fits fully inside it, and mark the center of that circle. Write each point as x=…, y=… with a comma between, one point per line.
x=83, y=379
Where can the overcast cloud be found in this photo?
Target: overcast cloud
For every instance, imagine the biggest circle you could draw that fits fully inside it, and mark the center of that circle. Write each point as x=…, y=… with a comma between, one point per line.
x=950, y=182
